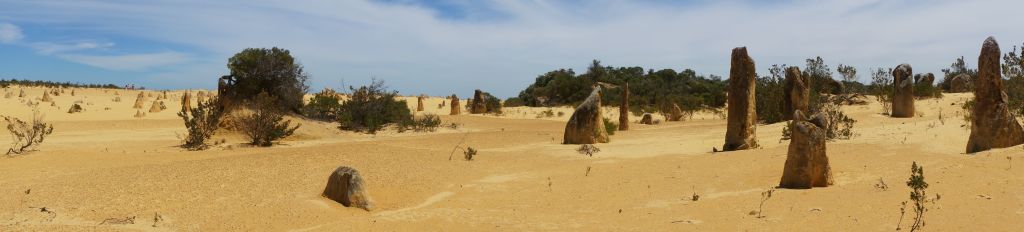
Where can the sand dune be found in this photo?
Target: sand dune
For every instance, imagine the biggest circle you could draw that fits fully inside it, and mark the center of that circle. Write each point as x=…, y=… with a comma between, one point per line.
x=106, y=164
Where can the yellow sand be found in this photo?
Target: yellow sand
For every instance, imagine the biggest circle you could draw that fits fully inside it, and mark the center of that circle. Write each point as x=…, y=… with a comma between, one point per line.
x=104, y=164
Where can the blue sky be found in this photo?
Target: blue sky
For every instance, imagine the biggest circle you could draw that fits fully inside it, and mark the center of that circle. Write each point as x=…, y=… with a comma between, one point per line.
x=454, y=46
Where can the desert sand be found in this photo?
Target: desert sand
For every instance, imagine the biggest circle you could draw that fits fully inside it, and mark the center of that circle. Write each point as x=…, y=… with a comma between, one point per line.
x=105, y=170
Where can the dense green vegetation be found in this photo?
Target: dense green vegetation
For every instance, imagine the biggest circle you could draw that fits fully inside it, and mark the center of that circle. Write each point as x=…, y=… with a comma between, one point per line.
x=371, y=108
x=273, y=70
x=1013, y=71
x=53, y=84
x=651, y=91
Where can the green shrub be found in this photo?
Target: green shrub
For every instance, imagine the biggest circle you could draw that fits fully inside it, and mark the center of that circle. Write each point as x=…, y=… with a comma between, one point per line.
x=371, y=108
x=200, y=123
x=770, y=96
x=324, y=105
x=273, y=70
x=881, y=87
x=493, y=104
x=265, y=124
x=840, y=126
x=610, y=126
x=649, y=89
x=426, y=123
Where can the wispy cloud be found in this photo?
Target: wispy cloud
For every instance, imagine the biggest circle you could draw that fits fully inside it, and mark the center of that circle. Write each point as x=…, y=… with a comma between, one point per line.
x=10, y=33
x=133, y=62
x=500, y=46
x=47, y=48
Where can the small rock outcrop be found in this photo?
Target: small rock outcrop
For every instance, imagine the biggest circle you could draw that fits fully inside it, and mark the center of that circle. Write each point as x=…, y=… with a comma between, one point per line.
x=796, y=92
x=624, y=108
x=992, y=124
x=903, y=92
x=186, y=103
x=675, y=114
x=960, y=84
x=741, y=130
x=156, y=108
x=419, y=103
x=75, y=108
x=139, y=101
x=925, y=79
x=807, y=161
x=585, y=126
x=456, y=106
x=46, y=97
x=21, y=93
x=478, y=106
x=345, y=186
x=647, y=119
x=139, y=114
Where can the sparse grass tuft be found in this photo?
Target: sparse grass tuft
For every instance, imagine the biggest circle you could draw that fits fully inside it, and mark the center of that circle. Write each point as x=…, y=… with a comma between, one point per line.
x=588, y=150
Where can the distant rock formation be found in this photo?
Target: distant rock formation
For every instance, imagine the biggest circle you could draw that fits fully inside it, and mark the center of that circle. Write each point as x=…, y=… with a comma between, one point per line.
x=156, y=108
x=456, y=106
x=139, y=101
x=960, y=84
x=807, y=161
x=992, y=124
x=585, y=126
x=796, y=92
x=479, y=105
x=903, y=92
x=46, y=97
x=75, y=108
x=624, y=108
x=186, y=103
x=419, y=103
x=925, y=79
x=647, y=119
x=139, y=114
x=675, y=114
x=345, y=186
x=742, y=123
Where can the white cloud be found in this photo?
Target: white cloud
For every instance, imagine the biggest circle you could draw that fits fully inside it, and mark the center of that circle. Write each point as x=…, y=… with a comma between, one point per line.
x=508, y=43
x=10, y=33
x=47, y=48
x=133, y=62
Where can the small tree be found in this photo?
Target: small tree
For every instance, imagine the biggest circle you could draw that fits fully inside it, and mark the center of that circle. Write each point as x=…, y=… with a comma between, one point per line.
x=265, y=124
x=324, y=105
x=273, y=70
x=881, y=86
x=918, y=195
x=201, y=122
x=26, y=136
x=371, y=108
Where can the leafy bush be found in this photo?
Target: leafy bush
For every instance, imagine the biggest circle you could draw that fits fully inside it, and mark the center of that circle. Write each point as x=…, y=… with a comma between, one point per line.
x=1013, y=70
x=426, y=123
x=610, y=126
x=324, y=105
x=493, y=104
x=372, y=108
x=26, y=136
x=265, y=124
x=650, y=90
x=201, y=123
x=274, y=71
x=881, y=87
x=918, y=196
x=770, y=95
x=840, y=126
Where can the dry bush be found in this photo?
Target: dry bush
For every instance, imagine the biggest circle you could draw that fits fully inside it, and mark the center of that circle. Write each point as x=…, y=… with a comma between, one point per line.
x=265, y=124
x=201, y=122
x=469, y=153
x=26, y=136
x=588, y=149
